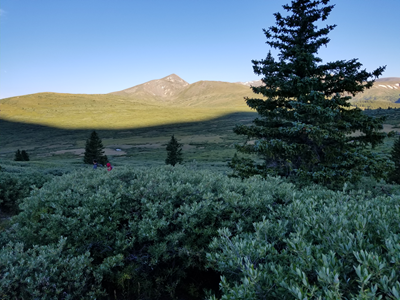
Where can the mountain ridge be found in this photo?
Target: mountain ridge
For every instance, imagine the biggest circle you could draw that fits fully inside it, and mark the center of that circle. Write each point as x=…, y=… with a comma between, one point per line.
x=162, y=101
x=383, y=90
x=165, y=87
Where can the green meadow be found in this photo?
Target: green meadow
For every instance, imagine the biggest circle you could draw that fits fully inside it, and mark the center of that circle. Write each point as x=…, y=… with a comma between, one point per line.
x=53, y=127
x=208, y=143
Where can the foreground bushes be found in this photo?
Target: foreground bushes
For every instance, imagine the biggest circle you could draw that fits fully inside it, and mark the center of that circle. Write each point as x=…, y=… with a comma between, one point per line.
x=332, y=247
x=16, y=184
x=46, y=272
x=171, y=232
x=160, y=220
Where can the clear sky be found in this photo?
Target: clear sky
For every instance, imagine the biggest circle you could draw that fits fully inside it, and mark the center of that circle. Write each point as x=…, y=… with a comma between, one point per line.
x=98, y=46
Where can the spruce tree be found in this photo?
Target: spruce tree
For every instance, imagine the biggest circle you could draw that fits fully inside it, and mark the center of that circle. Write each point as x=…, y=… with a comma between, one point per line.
x=24, y=155
x=305, y=118
x=94, y=149
x=18, y=156
x=174, y=152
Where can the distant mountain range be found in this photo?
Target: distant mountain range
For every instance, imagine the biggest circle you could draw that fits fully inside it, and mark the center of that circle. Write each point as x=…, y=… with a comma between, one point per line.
x=167, y=100
x=385, y=91
x=163, y=101
x=173, y=90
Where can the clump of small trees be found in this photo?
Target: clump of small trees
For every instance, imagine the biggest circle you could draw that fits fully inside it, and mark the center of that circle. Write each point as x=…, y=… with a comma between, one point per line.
x=21, y=155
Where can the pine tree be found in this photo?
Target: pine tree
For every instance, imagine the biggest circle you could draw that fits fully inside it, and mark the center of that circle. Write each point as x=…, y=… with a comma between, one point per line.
x=94, y=150
x=395, y=153
x=174, y=152
x=24, y=155
x=304, y=115
x=18, y=156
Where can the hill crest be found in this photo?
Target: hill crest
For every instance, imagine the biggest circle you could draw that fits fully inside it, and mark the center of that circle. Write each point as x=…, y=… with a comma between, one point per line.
x=166, y=87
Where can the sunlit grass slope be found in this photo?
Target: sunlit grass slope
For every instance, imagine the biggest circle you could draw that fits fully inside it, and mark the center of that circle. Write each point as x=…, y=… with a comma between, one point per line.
x=214, y=94
x=110, y=111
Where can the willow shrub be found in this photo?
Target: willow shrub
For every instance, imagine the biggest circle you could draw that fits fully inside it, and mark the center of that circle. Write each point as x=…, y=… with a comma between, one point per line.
x=16, y=184
x=321, y=245
x=139, y=233
x=47, y=272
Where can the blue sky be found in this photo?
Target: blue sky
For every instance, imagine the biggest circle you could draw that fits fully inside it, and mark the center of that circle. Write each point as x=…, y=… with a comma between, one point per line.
x=96, y=46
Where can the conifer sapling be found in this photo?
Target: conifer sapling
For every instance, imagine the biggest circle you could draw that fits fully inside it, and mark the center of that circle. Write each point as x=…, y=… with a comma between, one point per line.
x=174, y=152
x=94, y=150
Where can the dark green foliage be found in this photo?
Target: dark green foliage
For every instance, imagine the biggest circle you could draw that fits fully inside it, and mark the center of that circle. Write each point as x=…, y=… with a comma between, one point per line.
x=145, y=234
x=395, y=153
x=160, y=220
x=21, y=156
x=392, y=115
x=174, y=152
x=375, y=187
x=16, y=184
x=94, y=150
x=305, y=119
x=47, y=272
x=18, y=156
x=321, y=245
x=24, y=155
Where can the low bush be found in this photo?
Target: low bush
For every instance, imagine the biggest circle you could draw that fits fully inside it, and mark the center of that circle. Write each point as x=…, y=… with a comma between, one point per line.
x=160, y=220
x=46, y=272
x=16, y=184
x=171, y=232
x=330, y=245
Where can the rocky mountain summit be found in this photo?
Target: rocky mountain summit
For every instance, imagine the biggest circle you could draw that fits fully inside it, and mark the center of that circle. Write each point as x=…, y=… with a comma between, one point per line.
x=166, y=87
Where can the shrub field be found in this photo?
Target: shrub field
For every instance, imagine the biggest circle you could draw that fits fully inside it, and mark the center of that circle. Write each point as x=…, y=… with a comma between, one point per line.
x=183, y=233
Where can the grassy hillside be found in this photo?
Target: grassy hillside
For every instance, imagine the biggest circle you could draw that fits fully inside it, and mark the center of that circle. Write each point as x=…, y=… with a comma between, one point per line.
x=158, y=102
x=108, y=111
x=214, y=94
x=139, y=120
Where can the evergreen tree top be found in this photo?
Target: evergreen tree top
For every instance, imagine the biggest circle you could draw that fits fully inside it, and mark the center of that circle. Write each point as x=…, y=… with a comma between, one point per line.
x=298, y=70
x=299, y=29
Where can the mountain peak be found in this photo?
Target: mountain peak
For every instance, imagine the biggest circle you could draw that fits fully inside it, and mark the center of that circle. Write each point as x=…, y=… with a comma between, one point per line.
x=173, y=78
x=164, y=87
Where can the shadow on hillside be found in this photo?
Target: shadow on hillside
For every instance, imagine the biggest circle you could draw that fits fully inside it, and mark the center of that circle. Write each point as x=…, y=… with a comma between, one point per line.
x=14, y=135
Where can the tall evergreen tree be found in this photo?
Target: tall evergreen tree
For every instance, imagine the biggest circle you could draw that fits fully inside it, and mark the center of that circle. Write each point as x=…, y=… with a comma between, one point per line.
x=174, y=152
x=18, y=156
x=94, y=149
x=24, y=155
x=304, y=115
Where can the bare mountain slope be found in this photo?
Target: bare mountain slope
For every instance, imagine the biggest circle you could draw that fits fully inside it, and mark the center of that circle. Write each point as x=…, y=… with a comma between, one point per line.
x=384, y=93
